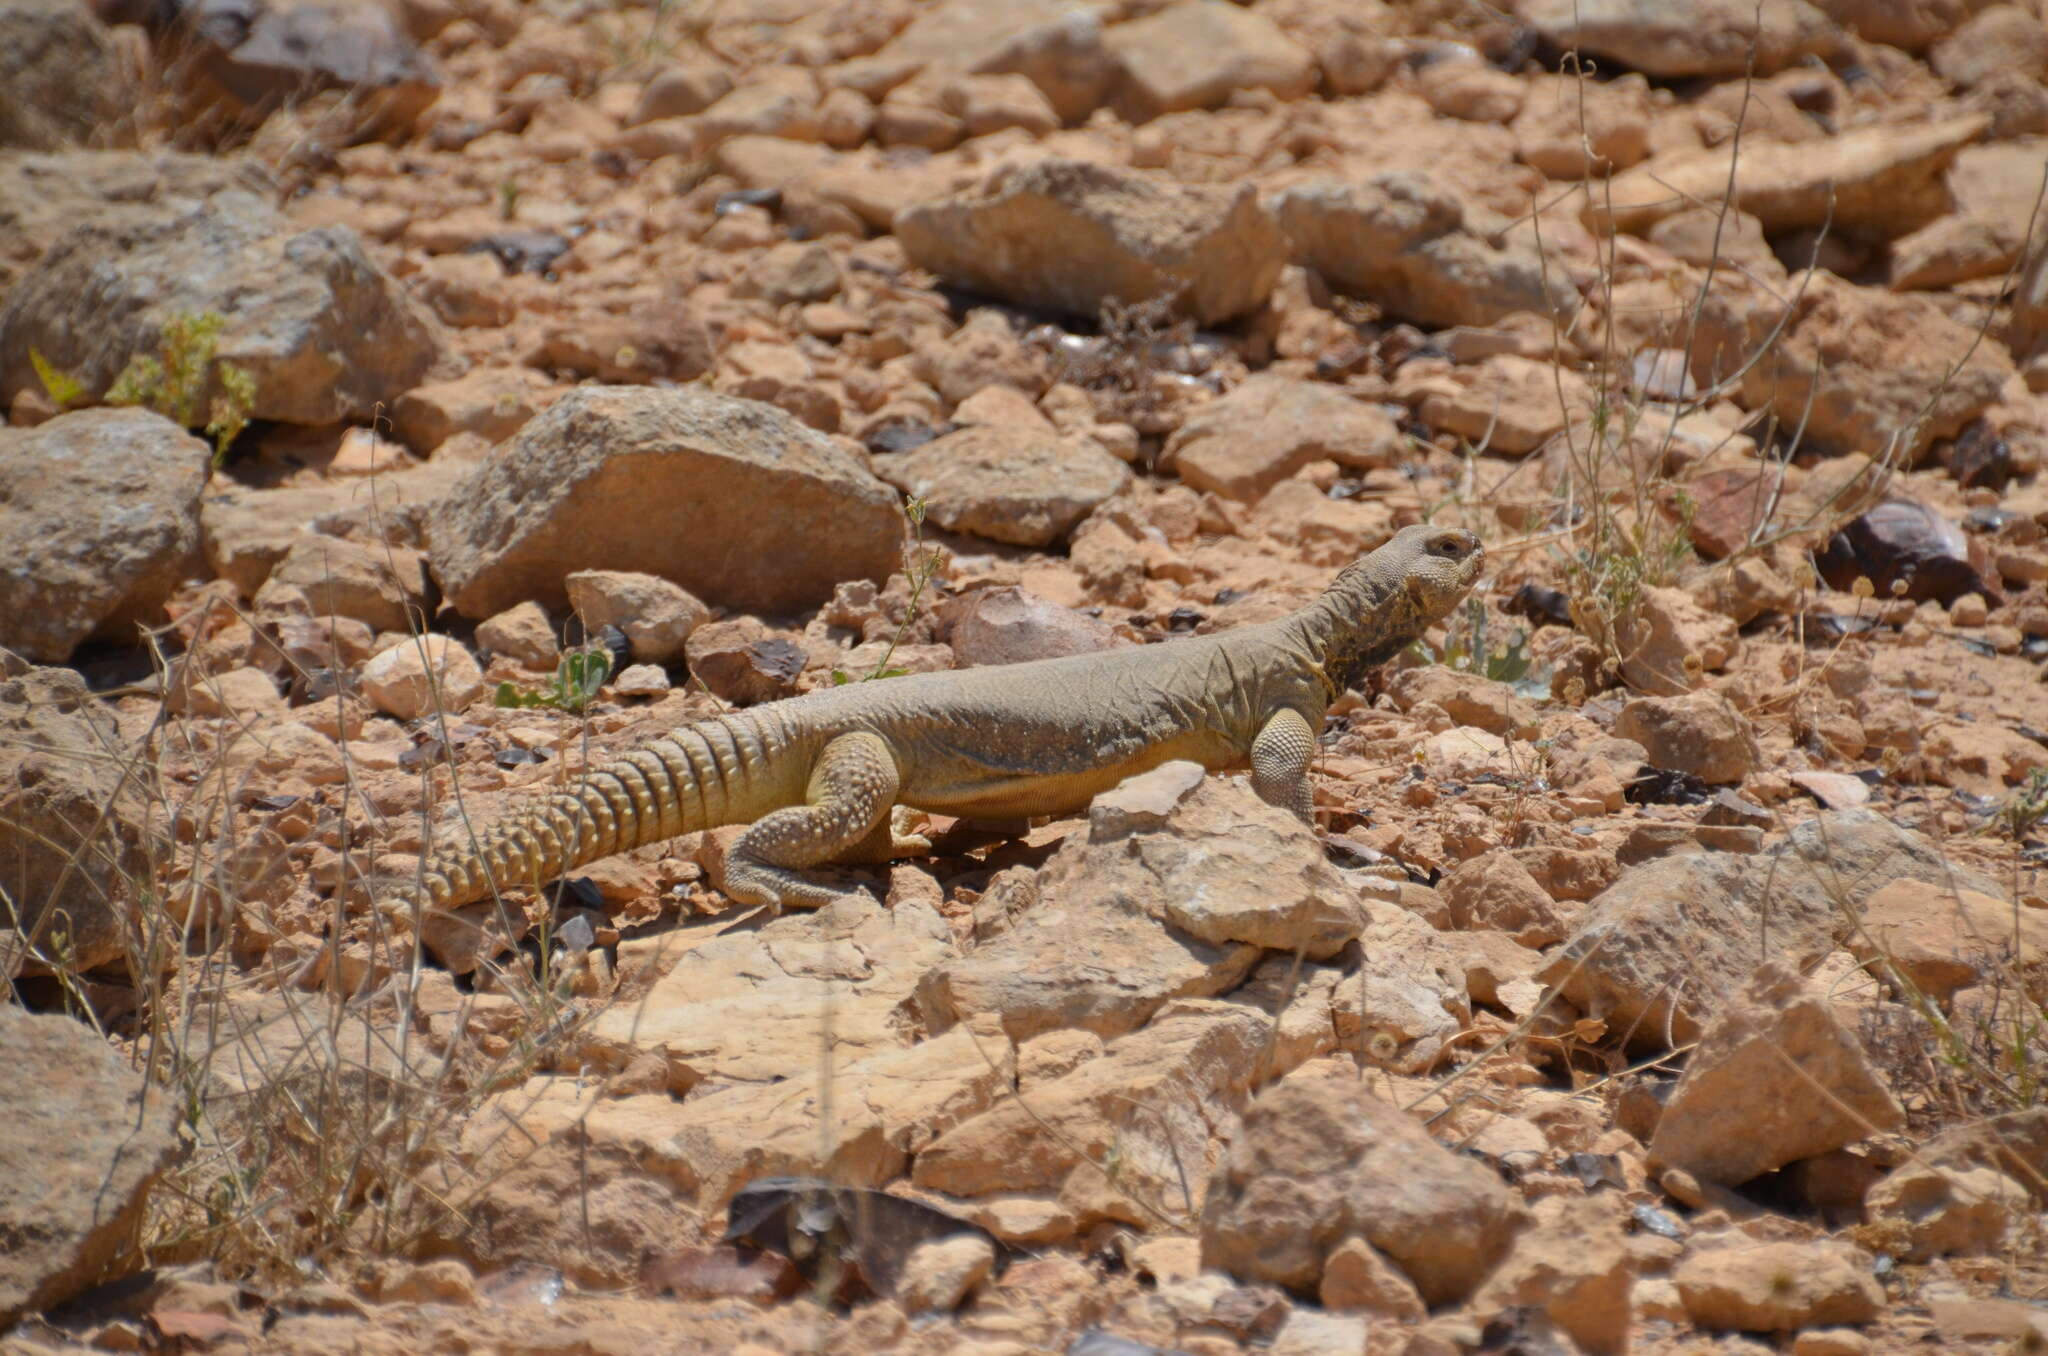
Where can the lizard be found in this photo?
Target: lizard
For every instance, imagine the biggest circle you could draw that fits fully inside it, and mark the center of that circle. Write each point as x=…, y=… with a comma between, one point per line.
x=816, y=776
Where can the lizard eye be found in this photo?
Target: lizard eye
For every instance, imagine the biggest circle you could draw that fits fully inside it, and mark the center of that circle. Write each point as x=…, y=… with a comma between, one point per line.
x=1451, y=548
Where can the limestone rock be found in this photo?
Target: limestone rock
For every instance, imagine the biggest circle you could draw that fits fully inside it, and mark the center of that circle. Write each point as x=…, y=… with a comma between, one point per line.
x=746, y=1007
x=522, y=632
x=1909, y=25
x=1495, y=891
x=1007, y=483
x=274, y=54
x=1669, y=643
x=886, y=1106
x=384, y=587
x=1467, y=698
x=1576, y=1266
x=1943, y=939
x=1671, y=941
x=1882, y=181
x=1156, y=1094
x=2000, y=40
x=1271, y=426
x=758, y=511
x=744, y=662
x=1196, y=53
x=44, y=196
x=82, y=1139
x=655, y=616
x=1056, y=44
x=1402, y=241
x=1674, y=39
x=1775, y=1078
x=1778, y=1287
x=1178, y=883
x=99, y=523
x=418, y=676
x=1358, y=1276
x=324, y=334
x=1700, y=733
x=2014, y=1143
x=938, y=1275
x=1072, y=235
x=1319, y=1160
x=1010, y=625
x=62, y=797
x=1506, y=403
x=60, y=78
x=491, y=402
x=1946, y=1210
x=1862, y=367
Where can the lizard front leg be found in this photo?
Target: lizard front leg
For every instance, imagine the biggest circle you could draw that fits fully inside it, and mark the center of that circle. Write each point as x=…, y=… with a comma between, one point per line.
x=1280, y=757
x=852, y=787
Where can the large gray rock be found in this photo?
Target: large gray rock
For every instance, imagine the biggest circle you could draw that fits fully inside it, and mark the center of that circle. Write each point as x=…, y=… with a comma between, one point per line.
x=325, y=334
x=1072, y=235
x=1319, y=1160
x=75, y=848
x=43, y=196
x=80, y=1146
x=60, y=81
x=1674, y=39
x=1006, y=482
x=732, y=499
x=1665, y=947
x=1401, y=241
x=99, y=523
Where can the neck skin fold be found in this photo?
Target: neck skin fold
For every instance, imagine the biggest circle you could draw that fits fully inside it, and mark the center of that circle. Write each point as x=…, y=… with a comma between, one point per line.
x=1358, y=624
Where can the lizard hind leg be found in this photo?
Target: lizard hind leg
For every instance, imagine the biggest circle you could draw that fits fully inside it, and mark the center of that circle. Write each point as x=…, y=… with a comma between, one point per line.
x=852, y=787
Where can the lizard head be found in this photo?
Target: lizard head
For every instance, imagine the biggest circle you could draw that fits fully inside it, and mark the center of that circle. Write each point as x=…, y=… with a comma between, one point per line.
x=1439, y=566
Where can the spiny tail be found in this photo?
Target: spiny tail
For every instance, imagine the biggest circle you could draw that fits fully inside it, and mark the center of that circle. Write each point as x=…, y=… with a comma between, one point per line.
x=700, y=777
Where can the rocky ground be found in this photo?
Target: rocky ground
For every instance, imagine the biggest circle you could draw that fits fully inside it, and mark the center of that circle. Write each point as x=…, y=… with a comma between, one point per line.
x=410, y=405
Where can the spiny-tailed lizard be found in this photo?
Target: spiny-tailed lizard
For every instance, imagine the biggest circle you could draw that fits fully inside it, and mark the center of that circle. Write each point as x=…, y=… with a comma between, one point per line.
x=817, y=776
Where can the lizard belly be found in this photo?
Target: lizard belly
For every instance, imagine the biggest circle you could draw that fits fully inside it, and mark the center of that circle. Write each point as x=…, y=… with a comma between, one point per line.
x=974, y=789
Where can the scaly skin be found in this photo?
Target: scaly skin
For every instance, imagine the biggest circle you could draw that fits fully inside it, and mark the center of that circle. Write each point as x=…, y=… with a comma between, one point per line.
x=817, y=776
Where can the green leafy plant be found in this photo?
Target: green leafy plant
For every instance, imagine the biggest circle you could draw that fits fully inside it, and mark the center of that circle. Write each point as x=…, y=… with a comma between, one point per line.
x=174, y=383
x=919, y=565
x=63, y=389
x=575, y=684
x=1469, y=648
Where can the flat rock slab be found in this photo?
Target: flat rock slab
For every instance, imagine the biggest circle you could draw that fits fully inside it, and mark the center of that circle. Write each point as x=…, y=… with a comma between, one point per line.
x=79, y=1148
x=1072, y=235
x=324, y=334
x=1882, y=181
x=754, y=1006
x=1673, y=39
x=99, y=523
x=756, y=511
